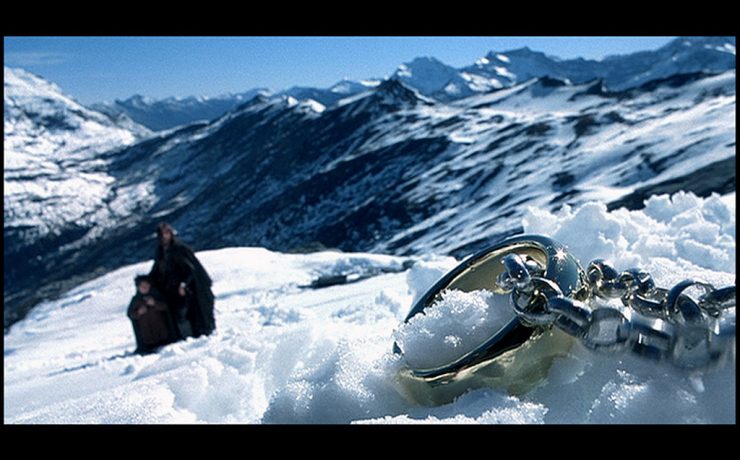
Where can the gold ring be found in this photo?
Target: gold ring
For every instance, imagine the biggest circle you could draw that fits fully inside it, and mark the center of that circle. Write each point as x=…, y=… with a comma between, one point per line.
x=516, y=357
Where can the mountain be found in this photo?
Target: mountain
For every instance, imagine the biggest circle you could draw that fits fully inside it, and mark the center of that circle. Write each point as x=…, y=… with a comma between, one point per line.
x=56, y=181
x=159, y=115
x=347, y=87
x=683, y=55
x=330, y=96
x=434, y=78
x=499, y=70
x=388, y=169
x=36, y=110
x=442, y=82
x=164, y=114
x=53, y=173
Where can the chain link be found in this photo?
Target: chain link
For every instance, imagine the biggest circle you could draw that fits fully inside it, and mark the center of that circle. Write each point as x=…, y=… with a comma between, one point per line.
x=663, y=324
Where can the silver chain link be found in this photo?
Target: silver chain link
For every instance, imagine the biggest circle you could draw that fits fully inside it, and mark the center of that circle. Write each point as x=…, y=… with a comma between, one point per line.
x=663, y=324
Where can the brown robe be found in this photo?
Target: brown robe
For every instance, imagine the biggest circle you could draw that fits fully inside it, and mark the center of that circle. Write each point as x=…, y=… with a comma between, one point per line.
x=153, y=327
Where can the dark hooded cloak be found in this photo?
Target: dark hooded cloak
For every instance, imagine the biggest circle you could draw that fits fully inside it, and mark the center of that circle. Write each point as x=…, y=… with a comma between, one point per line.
x=177, y=264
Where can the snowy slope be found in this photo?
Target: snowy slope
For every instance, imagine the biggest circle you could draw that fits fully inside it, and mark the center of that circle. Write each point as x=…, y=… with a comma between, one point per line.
x=36, y=110
x=285, y=353
x=549, y=143
x=53, y=173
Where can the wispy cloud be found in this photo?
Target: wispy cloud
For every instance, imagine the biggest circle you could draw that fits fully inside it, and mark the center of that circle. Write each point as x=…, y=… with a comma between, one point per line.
x=35, y=58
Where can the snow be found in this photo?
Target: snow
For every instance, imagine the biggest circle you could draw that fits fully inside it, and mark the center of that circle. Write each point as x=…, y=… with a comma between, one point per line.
x=504, y=72
x=286, y=353
x=479, y=83
x=372, y=83
x=29, y=98
x=451, y=327
x=429, y=75
x=694, y=232
x=677, y=129
x=313, y=105
x=52, y=173
x=348, y=87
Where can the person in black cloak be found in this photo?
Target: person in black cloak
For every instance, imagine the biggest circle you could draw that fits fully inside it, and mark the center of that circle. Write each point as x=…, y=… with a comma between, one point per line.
x=185, y=284
x=150, y=317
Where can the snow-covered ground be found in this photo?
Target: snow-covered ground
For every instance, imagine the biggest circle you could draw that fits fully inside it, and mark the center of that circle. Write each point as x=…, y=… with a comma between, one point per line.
x=287, y=353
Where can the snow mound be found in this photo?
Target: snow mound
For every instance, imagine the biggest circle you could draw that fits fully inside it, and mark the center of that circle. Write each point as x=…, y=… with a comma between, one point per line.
x=285, y=352
x=695, y=234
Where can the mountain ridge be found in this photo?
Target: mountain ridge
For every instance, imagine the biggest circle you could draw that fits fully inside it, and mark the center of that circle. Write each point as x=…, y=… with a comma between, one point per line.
x=433, y=78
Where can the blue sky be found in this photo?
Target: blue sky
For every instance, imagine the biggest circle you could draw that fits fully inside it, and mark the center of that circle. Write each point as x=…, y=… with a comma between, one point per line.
x=94, y=69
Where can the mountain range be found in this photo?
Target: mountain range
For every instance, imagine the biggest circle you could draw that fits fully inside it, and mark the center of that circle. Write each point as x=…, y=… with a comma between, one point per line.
x=442, y=82
x=163, y=114
x=431, y=159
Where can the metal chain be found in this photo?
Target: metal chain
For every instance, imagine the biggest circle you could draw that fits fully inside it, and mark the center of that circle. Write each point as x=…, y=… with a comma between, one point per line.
x=663, y=324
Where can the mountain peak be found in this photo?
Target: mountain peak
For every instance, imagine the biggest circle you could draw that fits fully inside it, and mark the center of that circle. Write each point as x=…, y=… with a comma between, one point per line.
x=347, y=87
x=422, y=67
x=701, y=41
x=521, y=50
x=721, y=45
x=393, y=89
x=428, y=75
x=426, y=60
x=16, y=73
x=45, y=107
x=302, y=106
x=137, y=100
x=524, y=51
x=261, y=98
x=20, y=83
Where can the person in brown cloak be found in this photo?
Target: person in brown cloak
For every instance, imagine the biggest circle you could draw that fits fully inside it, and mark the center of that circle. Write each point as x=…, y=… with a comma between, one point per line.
x=150, y=317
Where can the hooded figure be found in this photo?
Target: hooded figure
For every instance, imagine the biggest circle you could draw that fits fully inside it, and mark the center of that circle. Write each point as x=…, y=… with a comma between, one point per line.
x=184, y=283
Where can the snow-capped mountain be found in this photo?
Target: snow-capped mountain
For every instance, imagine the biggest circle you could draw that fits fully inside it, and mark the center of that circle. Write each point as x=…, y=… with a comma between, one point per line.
x=55, y=180
x=390, y=169
x=433, y=78
x=347, y=87
x=163, y=114
x=172, y=112
x=330, y=96
x=43, y=121
x=503, y=69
